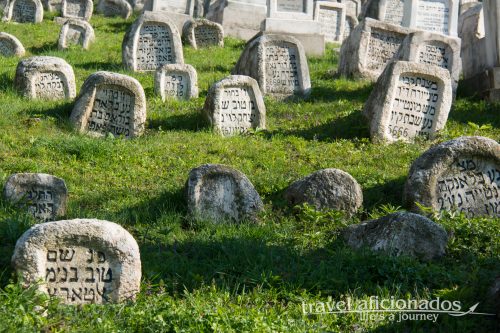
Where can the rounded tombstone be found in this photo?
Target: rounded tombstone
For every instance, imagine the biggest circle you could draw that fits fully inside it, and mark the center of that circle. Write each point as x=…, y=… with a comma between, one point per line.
x=75, y=31
x=177, y=81
x=79, y=9
x=234, y=105
x=327, y=189
x=458, y=175
x=80, y=261
x=219, y=193
x=24, y=11
x=203, y=33
x=10, y=46
x=111, y=8
x=110, y=103
x=43, y=77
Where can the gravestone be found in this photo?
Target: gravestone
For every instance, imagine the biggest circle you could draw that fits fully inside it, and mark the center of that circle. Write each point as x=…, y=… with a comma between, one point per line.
x=219, y=193
x=110, y=103
x=112, y=8
x=77, y=32
x=234, y=105
x=331, y=16
x=203, y=33
x=278, y=63
x=52, y=5
x=350, y=23
x=23, y=11
x=178, y=11
x=390, y=11
x=473, y=46
x=43, y=77
x=241, y=19
x=458, y=175
x=79, y=9
x=409, y=100
x=353, y=7
x=10, y=46
x=177, y=82
x=43, y=196
x=438, y=16
x=151, y=42
x=80, y=261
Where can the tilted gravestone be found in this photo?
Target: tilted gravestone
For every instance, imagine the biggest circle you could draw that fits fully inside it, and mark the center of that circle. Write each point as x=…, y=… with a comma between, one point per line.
x=24, y=11
x=45, y=78
x=77, y=32
x=438, y=16
x=151, y=42
x=80, y=261
x=203, y=33
x=112, y=8
x=234, y=105
x=176, y=81
x=409, y=100
x=278, y=63
x=10, y=46
x=110, y=103
x=79, y=9
x=43, y=196
x=458, y=175
x=332, y=17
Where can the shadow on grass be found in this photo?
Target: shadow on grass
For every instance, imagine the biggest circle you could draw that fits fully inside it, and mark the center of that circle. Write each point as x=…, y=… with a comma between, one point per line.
x=478, y=112
x=47, y=47
x=6, y=83
x=391, y=192
x=192, y=121
x=100, y=66
x=328, y=94
x=217, y=68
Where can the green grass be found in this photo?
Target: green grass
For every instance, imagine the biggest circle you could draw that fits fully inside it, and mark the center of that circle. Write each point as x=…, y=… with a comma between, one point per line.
x=232, y=278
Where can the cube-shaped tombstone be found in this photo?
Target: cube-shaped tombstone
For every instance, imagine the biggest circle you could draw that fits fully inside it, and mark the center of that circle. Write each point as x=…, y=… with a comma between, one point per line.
x=24, y=11
x=234, y=105
x=177, y=82
x=10, y=46
x=75, y=31
x=112, y=8
x=438, y=16
x=409, y=100
x=332, y=17
x=203, y=33
x=79, y=9
x=110, y=103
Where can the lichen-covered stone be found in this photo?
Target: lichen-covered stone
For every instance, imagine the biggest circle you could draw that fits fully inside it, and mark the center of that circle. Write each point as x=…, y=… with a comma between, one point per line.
x=203, y=33
x=23, y=11
x=177, y=81
x=10, y=46
x=75, y=31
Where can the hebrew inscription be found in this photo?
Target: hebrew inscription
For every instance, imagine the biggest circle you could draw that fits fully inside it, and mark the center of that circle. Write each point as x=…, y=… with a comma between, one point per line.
x=281, y=68
x=176, y=85
x=382, y=48
x=394, y=12
x=49, y=85
x=206, y=36
x=434, y=54
x=290, y=5
x=24, y=11
x=154, y=47
x=237, y=110
x=40, y=202
x=433, y=15
x=330, y=20
x=6, y=48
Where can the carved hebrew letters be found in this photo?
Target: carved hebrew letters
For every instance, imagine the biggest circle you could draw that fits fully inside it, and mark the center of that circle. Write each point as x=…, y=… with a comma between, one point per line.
x=206, y=36
x=6, y=48
x=436, y=53
x=154, y=47
x=40, y=202
x=281, y=68
x=382, y=48
x=49, y=85
x=290, y=5
x=24, y=11
x=330, y=19
x=394, y=12
x=433, y=15
x=237, y=110
x=176, y=85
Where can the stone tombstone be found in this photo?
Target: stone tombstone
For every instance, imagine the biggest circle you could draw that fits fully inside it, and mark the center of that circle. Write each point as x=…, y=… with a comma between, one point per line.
x=234, y=105
x=151, y=42
x=278, y=63
x=290, y=9
x=203, y=33
x=43, y=196
x=241, y=19
x=177, y=82
x=390, y=11
x=79, y=9
x=219, y=193
x=353, y=7
x=438, y=16
x=112, y=8
x=77, y=32
x=10, y=46
x=332, y=16
x=178, y=11
x=110, y=103
x=409, y=100
x=52, y=5
x=473, y=48
x=80, y=261
x=24, y=11
x=458, y=175
x=43, y=77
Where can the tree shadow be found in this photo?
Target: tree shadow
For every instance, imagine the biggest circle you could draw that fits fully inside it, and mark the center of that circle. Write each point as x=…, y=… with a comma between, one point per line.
x=193, y=121
x=478, y=112
x=47, y=47
x=391, y=192
x=100, y=66
x=328, y=94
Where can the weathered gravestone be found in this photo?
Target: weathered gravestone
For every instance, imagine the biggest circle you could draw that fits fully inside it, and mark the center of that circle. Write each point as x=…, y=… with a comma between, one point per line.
x=178, y=11
x=219, y=193
x=77, y=32
x=439, y=16
x=112, y=8
x=331, y=16
x=10, y=46
x=44, y=196
x=234, y=105
x=81, y=261
x=176, y=81
x=240, y=18
x=45, y=78
x=462, y=175
x=52, y=5
x=151, y=42
x=354, y=8
x=278, y=63
x=24, y=11
x=390, y=11
x=110, y=103
x=203, y=33
x=79, y=9
x=409, y=100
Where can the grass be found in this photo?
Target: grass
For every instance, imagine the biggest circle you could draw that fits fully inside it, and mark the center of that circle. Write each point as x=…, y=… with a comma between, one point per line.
x=233, y=278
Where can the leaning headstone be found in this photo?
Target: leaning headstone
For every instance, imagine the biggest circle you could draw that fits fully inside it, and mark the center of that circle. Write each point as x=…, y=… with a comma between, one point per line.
x=43, y=196
x=234, y=105
x=151, y=42
x=112, y=8
x=203, y=33
x=278, y=63
x=79, y=9
x=77, y=32
x=80, y=261
x=409, y=100
x=176, y=81
x=45, y=78
x=458, y=175
x=24, y=11
x=10, y=46
x=219, y=193
x=438, y=16
x=390, y=11
x=331, y=16
x=110, y=103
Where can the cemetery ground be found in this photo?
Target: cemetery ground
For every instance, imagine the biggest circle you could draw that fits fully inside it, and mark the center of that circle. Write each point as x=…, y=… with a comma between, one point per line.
x=234, y=278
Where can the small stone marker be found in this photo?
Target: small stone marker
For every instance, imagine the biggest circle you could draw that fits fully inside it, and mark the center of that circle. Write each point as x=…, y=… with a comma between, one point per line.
x=24, y=11
x=409, y=100
x=278, y=63
x=77, y=32
x=44, y=196
x=177, y=82
x=80, y=9
x=203, y=33
x=81, y=261
x=151, y=42
x=111, y=8
x=462, y=175
x=234, y=105
x=10, y=46
x=45, y=78
x=332, y=17
x=110, y=103
x=220, y=193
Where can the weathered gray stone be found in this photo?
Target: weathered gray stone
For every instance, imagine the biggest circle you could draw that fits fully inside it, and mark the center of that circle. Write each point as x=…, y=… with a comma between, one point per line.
x=400, y=234
x=52, y=5
x=219, y=193
x=44, y=196
x=110, y=103
x=332, y=18
x=79, y=9
x=112, y=8
x=178, y=11
x=177, y=82
x=23, y=11
x=240, y=18
x=473, y=46
x=81, y=261
x=10, y=46
x=390, y=11
x=203, y=33
x=45, y=78
x=234, y=105
x=438, y=16
x=458, y=175
x=75, y=31
x=327, y=189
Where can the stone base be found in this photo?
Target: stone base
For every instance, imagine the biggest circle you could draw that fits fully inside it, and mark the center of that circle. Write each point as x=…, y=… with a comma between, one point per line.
x=242, y=20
